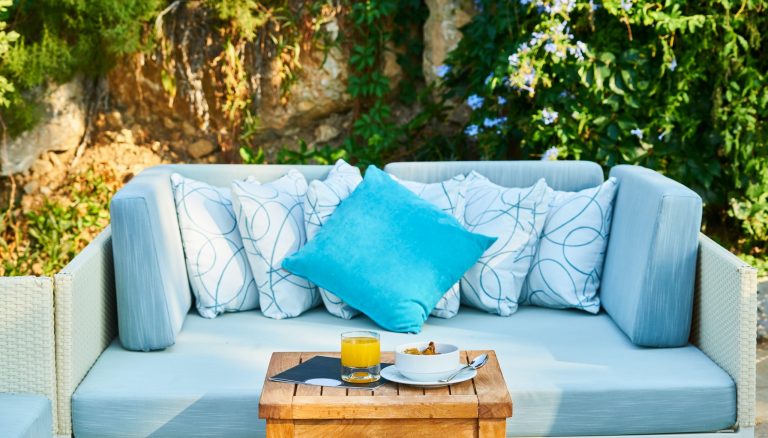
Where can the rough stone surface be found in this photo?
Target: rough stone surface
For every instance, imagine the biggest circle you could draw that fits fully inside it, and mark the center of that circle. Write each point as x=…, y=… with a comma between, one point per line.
x=320, y=90
x=441, y=32
x=325, y=133
x=201, y=148
x=61, y=128
x=198, y=106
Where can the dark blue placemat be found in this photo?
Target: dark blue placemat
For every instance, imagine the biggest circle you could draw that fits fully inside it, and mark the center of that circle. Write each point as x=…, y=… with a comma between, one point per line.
x=323, y=371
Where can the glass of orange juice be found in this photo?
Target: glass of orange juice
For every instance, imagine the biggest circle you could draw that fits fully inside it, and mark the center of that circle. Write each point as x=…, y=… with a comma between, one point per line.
x=360, y=357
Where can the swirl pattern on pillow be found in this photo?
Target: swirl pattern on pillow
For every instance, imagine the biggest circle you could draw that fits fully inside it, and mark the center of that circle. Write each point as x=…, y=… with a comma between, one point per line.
x=569, y=262
x=217, y=267
x=516, y=217
x=271, y=221
x=323, y=197
x=448, y=196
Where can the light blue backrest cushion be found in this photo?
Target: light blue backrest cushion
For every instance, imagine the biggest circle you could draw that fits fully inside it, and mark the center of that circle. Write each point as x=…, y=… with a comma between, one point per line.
x=648, y=277
x=153, y=294
x=388, y=253
x=571, y=176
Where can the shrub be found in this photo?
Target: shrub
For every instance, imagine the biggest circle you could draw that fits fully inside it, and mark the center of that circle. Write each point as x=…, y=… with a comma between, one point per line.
x=44, y=240
x=59, y=38
x=676, y=86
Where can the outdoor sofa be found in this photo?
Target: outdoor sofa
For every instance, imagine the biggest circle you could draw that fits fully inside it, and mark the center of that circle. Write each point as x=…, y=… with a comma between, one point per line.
x=173, y=373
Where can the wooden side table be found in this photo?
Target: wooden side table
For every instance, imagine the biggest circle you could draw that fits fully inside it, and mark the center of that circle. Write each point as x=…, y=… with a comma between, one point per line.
x=479, y=407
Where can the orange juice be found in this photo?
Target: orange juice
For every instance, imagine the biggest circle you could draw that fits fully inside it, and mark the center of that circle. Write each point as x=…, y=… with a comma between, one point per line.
x=360, y=357
x=360, y=352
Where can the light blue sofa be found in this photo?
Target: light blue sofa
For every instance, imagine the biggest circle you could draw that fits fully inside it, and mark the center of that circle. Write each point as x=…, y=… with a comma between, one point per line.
x=669, y=353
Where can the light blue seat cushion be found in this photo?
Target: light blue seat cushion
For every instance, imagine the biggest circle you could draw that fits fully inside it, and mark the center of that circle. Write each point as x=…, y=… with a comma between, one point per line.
x=569, y=176
x=569, y=373
x=153, y=294
x=25, y=416
x=650, y=262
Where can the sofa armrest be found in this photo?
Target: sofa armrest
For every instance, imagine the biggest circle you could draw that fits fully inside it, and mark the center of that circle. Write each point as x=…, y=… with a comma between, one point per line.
x=86, y=321
x=27, y=359
x=724, y=320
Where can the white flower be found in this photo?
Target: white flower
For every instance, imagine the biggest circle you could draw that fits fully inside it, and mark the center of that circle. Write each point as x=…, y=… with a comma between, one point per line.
x=550, y=154
x=530, y=77
x=475, y=102
x=578, y=51
x=514, y=60
x=626, y=4
x=472, y=130
x=673, y=64
x=442, y=70
x=548, y=116
x=637, y=132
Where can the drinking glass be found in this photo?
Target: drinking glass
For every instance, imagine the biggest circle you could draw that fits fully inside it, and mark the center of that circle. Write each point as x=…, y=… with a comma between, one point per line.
x=360, y=357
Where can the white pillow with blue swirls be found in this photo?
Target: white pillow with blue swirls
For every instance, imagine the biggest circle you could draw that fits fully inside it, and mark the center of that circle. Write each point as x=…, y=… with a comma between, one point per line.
x=270, y=217
x=569, y=262
x=447, y=196
x=322, y=199
x=515, y=216
x=217, y=266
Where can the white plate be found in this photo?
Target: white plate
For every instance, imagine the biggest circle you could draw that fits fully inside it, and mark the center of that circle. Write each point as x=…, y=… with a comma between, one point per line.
x=390, y=373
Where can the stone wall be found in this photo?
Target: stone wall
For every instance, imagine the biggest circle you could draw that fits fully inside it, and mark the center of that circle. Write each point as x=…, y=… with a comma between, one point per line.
x=191, y=117
x=60, y=129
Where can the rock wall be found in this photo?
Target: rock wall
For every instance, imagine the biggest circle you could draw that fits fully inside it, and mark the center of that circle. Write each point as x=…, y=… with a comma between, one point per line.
x=177, y=93
x=441, y=32
x=60, y=129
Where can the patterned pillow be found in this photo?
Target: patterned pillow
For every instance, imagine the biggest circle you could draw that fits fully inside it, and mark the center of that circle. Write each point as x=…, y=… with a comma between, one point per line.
x=448, y=196
x=217, y=267
x=271, y=221
x=568, y=264
x=322, y=199
x=516, y=217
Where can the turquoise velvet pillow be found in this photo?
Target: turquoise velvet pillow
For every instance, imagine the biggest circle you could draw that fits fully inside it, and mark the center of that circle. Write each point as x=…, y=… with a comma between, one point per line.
x=388, y=253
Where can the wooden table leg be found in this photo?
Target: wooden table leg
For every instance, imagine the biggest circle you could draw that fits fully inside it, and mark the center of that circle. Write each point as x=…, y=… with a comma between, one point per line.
x=280, y=429
x=491, y=427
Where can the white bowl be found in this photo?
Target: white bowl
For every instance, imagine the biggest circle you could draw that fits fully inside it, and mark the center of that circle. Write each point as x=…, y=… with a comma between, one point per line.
x=429, y=368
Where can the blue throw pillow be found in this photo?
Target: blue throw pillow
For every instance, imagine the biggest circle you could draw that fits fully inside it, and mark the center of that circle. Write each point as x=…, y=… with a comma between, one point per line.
x=388, y=253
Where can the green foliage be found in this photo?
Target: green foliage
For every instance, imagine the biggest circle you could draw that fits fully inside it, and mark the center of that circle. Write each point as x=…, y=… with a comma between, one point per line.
x=304, y=155
x=374, y=132
x=45, y=239
x=6, y=40
x=373, y=28
x=676, y=86
x=59, y=38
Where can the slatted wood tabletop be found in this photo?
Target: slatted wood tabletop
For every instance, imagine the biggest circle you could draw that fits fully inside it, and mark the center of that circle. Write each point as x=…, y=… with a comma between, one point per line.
x=475, y=408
